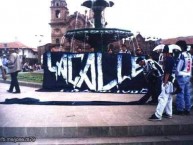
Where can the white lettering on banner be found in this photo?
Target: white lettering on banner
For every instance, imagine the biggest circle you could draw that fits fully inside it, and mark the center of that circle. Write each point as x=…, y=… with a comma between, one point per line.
x=136, y=69
x=64, y=68
x=70, y=69
x=49, y=63
x=83, y=73
x=99, y=71
x=101, y=86
x=143, y=91
x=62, y=71
x=119, y=70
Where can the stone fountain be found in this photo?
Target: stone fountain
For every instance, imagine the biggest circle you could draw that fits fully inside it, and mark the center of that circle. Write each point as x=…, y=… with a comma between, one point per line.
x=98, y=37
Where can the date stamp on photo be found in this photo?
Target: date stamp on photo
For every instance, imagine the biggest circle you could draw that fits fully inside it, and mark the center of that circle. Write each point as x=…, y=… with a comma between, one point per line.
x=17, y=139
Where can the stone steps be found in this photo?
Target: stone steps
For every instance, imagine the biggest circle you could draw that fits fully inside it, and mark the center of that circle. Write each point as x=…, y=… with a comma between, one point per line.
x=100, y=131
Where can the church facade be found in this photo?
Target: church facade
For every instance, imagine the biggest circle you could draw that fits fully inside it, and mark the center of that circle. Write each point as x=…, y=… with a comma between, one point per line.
x=62, y=21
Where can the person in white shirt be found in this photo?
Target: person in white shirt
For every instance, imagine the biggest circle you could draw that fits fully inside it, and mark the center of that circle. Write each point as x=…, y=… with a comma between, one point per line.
x=183, y=76
x=2, y=70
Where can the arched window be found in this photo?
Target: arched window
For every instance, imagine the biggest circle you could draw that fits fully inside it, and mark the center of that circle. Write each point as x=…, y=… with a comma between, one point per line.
x=57, y=13
x=57, y=4
x=57, y=41
x=57, y=30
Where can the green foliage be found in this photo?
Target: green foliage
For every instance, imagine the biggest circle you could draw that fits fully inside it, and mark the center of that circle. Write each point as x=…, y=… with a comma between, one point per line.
x=31, y=77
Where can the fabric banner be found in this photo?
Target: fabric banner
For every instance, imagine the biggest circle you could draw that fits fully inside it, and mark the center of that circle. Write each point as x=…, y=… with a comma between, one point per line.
x=93, y=72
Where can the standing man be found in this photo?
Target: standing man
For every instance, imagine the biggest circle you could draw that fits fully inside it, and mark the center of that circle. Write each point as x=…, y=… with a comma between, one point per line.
x=165, y=98
x=14, y=66
x=183, y=75
x=153, y=74
x=2, y=70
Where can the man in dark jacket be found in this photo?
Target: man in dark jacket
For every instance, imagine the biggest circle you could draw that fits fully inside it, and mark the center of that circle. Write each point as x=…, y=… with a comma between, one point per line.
x=153, y=74
x=164, y=107
x=14, y=66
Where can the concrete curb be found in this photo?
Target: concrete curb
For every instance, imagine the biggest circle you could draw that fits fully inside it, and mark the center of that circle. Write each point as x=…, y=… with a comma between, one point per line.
x=21, y=83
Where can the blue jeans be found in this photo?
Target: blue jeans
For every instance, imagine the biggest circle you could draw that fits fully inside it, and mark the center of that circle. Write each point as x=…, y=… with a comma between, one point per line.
x=191, y=93
x=183, y=99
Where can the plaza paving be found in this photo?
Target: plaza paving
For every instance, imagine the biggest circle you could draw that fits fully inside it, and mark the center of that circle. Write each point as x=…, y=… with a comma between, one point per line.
x=73, y=121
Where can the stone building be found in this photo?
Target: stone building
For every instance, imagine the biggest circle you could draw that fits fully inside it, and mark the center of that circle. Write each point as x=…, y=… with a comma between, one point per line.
x=59, y=16
x=188, y=39
x=26, y=53
x=61, y=22
x=146, y=44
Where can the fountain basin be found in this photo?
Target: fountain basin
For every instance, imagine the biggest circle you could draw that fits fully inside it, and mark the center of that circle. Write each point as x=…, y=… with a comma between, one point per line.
x=98, y=3
x=98, y=38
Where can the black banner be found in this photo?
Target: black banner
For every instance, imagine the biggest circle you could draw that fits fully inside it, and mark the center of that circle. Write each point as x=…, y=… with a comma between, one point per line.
x=96, y=72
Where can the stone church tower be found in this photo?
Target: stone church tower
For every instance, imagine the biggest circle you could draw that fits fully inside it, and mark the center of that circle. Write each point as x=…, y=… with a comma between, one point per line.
x=59, y=15
x=61, y=22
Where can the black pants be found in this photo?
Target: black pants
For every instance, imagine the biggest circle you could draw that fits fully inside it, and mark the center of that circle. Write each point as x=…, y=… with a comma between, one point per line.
x=154, y=90
x=14, y=82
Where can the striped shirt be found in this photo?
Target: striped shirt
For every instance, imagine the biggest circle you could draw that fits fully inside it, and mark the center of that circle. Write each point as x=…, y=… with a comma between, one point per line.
x=152, y=68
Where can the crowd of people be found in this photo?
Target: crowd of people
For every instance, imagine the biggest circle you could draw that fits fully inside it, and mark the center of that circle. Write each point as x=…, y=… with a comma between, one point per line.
x=123, y=49
x=30, y=68
x=171, y=77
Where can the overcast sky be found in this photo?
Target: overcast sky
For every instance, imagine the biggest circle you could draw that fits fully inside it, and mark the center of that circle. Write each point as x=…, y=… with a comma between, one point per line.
x=21, y=20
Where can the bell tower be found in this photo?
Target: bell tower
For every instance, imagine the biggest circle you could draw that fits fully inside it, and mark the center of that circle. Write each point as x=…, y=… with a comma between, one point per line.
x=59, y=15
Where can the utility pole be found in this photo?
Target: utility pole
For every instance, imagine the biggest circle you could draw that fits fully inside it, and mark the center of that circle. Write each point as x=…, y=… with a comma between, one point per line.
x=39, y=38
